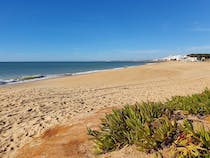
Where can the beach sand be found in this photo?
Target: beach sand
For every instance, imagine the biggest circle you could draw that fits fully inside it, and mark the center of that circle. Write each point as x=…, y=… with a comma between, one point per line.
x=75, y=102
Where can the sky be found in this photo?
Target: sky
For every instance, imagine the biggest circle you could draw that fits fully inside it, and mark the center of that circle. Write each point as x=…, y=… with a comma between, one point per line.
x=95, y=30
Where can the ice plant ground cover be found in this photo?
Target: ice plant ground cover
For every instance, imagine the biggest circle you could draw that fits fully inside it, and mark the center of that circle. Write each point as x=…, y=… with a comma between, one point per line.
x=153, y=126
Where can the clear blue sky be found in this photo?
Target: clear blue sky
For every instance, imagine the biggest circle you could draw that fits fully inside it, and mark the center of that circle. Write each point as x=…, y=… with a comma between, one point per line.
x=69, y=30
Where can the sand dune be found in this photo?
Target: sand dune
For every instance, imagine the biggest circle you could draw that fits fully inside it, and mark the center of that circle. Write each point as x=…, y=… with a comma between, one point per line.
x=29, y=109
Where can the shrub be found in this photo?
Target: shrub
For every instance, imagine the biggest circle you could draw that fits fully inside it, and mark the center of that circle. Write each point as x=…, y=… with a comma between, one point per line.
x=150, y=126
x=191, y=143
x=159, y=134
x=124, y=126
x=195, y=104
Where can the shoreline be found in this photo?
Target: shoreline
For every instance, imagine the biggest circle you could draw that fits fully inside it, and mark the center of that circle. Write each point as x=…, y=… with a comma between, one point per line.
x=29, y=109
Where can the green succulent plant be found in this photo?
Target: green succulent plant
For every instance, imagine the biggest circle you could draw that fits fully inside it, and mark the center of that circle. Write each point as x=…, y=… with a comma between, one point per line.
x=151, y=126
x=191, y=143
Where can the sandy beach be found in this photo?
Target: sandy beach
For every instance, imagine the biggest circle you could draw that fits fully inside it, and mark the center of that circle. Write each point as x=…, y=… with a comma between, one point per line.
x=29, y=109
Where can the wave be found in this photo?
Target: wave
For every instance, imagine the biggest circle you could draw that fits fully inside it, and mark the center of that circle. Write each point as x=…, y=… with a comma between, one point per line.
x=21, y=79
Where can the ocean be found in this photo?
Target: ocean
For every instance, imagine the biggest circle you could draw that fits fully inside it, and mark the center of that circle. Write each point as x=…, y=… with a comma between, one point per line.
x=13, y=72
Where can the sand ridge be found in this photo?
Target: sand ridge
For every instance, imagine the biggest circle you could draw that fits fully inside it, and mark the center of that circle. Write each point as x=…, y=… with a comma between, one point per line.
x=28, y=109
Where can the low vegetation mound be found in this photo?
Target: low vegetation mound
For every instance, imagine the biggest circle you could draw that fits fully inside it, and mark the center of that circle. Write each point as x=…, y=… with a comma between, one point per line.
x=200, y=56
x=153, y=126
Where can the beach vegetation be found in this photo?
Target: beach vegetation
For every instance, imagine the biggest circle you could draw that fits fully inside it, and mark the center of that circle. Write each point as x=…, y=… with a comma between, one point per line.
x=194, y=104
x=191, y=143
x=200, y=56
x=153, y=126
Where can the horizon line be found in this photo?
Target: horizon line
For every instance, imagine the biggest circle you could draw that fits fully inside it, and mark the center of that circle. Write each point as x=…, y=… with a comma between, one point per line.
x=83, y=61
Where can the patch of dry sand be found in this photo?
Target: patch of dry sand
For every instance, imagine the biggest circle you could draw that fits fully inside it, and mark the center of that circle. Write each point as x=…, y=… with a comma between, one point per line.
x=29, y=109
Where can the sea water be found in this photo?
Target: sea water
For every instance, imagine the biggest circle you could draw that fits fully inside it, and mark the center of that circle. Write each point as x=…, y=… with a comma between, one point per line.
x=11, y=72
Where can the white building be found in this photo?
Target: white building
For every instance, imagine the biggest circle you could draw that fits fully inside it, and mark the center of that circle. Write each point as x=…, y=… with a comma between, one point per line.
x=180, y=58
